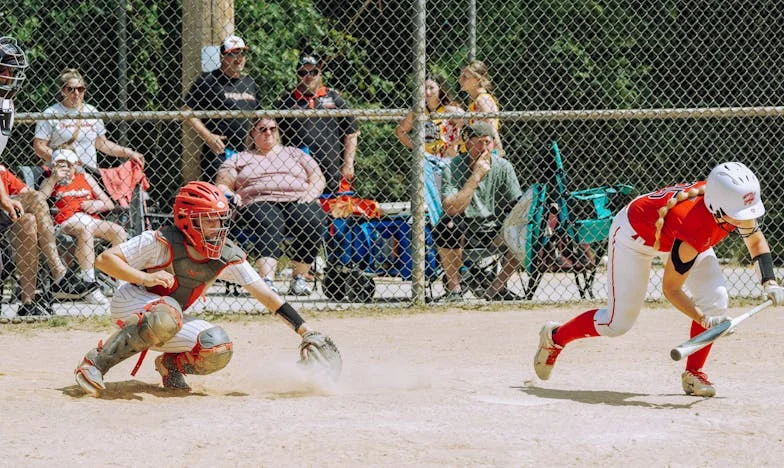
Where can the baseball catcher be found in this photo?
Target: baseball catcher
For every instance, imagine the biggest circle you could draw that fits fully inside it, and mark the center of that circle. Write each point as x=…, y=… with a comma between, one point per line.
x=167, y=273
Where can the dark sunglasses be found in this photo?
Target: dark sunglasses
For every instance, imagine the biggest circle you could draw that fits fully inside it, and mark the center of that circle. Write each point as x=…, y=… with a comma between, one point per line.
x=266, y=129
x=71, y=89
x=302, y=73
x=235, y=54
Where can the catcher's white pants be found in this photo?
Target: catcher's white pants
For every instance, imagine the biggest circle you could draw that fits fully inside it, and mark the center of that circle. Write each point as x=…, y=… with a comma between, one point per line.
x=130, y=299
x=628, y=272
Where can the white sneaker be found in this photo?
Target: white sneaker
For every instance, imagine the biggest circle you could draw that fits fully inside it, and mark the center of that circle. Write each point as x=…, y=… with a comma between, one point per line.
x=696, y=383
x=96, y=297
x=299, y=286
x=271, y=285
x=548, y=351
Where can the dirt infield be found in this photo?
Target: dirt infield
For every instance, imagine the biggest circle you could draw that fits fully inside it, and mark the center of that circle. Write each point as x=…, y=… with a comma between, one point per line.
x=449, y=388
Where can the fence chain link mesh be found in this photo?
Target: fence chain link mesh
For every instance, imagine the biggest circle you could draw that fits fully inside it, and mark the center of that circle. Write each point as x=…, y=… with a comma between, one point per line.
x=638, y=95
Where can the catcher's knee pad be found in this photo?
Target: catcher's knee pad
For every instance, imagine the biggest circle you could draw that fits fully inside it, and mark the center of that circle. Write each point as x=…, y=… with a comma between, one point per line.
x=212, y=353
x=161, y=320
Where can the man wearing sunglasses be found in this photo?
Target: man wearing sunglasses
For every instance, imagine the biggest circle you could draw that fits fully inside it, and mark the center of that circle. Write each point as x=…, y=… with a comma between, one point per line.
x=222, y=89
x=331, y=141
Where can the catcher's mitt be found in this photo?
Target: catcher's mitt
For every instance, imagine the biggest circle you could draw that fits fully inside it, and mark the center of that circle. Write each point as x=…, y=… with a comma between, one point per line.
x=318, y=352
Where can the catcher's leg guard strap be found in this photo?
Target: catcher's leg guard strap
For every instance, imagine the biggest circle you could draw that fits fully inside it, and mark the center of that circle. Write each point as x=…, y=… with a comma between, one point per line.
x=157, y=324
x=212, y=353
x=290, y=315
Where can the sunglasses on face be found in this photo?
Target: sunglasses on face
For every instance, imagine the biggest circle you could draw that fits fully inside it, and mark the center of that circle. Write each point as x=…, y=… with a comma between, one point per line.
x=266, y=129
x=235, y=54
x=303, y=73
x=74, y=89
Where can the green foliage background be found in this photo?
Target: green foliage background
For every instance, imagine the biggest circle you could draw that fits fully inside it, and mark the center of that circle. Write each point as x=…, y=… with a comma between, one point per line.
x=544, y=55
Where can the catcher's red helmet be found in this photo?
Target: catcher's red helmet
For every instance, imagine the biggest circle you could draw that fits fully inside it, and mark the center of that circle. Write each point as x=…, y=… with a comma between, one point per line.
x=196, y=205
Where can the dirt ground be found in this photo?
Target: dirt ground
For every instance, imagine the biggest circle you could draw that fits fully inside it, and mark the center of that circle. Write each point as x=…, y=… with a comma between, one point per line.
x=445, y=387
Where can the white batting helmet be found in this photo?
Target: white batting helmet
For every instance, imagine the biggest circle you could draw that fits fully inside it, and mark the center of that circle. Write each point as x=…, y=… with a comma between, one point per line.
x=733, y=190
x=13, y=63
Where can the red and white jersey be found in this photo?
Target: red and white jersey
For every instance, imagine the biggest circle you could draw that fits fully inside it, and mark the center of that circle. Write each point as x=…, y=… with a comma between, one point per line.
x=68, y=197
x=689, y=220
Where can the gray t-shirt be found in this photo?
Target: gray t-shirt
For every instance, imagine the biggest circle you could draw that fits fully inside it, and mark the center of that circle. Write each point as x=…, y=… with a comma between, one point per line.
x=495, y=195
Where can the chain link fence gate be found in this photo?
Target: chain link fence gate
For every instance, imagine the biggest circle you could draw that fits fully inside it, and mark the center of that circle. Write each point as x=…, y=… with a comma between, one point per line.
x=643, y=94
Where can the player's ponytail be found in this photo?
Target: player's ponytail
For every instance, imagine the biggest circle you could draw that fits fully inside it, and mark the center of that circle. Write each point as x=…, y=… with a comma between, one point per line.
x=679, y=197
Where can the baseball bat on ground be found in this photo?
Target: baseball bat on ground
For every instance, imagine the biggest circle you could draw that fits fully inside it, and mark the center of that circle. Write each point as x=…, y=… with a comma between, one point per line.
x=710, y=335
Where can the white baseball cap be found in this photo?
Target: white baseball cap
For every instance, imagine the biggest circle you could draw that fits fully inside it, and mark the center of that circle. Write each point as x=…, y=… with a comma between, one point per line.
x=232, y=43
x=66, y=155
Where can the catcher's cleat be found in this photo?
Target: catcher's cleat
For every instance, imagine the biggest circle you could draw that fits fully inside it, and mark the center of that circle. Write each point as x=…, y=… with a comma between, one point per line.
x=173, y=379
x=696, y=383
x=548, y=351
x=89, y=378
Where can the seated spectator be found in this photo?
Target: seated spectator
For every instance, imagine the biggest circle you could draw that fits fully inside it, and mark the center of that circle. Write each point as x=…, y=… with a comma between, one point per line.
x=478, y=189
x=276, y=189
x=78, y=199
x=30, y=234
x=84, y=136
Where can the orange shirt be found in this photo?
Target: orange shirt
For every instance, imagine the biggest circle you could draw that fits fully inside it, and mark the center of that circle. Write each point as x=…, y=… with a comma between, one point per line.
x=68, y=197
x=13, y=185
x=689, y=220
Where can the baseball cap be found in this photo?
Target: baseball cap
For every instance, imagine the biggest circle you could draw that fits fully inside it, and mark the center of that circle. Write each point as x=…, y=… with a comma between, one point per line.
x=479, y=129
x=232, y=43
x=64, y=154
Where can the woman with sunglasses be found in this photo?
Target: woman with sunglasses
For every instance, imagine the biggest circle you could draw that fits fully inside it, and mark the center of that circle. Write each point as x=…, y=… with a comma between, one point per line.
x=680, y=223
x=276, y=189
x=83, y=136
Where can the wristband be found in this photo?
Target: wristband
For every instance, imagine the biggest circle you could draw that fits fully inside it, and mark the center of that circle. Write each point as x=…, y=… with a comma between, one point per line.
x=290, y=315
x=765, y=267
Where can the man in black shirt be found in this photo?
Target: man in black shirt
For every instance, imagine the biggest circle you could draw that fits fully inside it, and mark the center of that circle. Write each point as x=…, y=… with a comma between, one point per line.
x=222, y=89
x=331, y=141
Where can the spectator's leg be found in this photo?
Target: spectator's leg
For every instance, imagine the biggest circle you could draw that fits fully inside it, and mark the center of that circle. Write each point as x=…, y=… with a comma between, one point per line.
x=110, y=231
x=85, y=254
x=449, y=240
x=305, y=222
x=24, y=240
x=34, y=202
x=509, y=265
x=266, y=221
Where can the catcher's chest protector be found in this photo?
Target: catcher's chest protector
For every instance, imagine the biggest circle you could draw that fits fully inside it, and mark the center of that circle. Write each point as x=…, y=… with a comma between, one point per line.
x=191, y=277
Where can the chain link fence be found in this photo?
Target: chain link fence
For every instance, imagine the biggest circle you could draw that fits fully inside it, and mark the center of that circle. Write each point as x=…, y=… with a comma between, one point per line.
x=637, y=95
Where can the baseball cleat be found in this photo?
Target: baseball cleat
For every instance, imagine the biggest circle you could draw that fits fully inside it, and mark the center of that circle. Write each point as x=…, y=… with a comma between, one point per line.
x=548, y=351
x=89, y=378
x=173, y=379
x=696, y=383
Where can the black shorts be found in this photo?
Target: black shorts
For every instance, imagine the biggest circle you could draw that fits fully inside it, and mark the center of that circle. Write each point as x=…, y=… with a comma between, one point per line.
x=456, y=232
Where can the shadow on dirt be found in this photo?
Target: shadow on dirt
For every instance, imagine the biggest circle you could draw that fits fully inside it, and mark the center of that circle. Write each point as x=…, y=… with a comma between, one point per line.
x=130, y=390
x=594, y=397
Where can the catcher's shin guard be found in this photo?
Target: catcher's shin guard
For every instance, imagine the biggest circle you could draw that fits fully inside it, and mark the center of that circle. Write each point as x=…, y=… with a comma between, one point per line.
x=154, y=326
x=212, y=353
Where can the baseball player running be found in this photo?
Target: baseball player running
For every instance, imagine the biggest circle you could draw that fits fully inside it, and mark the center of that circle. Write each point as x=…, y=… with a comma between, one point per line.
x=167, y=271
x=682, y=222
